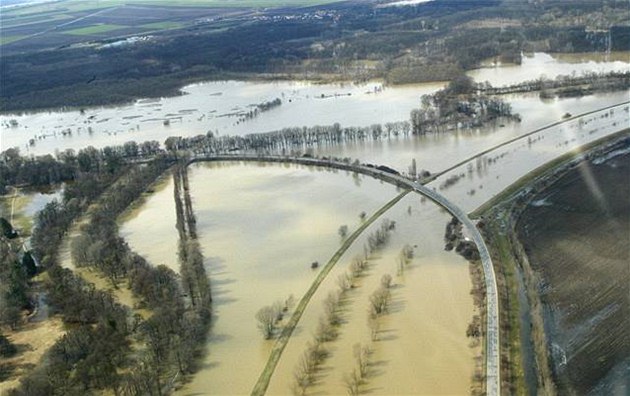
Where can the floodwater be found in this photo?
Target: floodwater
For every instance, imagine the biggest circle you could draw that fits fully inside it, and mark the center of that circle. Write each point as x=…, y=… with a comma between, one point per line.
x=437, y=152
x=215, y=107
x=539, y=64
x=219, y=106
x=260, y=228
x=421, y=346
x=149, y=226
x=487, y=176
x=20, y=210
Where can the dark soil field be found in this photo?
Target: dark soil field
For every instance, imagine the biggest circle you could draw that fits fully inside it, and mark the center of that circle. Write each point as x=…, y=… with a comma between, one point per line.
x=577, y=237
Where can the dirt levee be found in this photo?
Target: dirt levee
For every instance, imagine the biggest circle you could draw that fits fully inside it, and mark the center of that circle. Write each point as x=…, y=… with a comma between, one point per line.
x=576, y=235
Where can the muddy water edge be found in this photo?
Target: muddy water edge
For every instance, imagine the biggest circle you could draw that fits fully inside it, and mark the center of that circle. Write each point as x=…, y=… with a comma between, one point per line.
x=420, y=346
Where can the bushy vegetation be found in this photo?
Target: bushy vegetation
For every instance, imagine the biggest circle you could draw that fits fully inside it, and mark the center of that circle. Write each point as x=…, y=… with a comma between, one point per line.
x=14, y=288
x=107, y=346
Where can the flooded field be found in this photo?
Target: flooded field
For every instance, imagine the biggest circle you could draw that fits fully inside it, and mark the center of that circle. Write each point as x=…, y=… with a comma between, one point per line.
x=39, y=331
x=266, y=229
x=479, y=180
x=149, y=225
x=436, y=153
x=420, y=346
x=539, y=64
x=261, y=227
x=217, y=107
x=20, y=207
x=221, y=107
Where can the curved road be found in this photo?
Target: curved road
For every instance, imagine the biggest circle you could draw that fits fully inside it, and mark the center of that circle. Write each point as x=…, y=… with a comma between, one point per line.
x=492, y=303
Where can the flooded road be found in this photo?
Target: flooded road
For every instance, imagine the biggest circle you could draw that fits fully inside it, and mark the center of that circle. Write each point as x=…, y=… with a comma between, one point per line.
x=437, y=152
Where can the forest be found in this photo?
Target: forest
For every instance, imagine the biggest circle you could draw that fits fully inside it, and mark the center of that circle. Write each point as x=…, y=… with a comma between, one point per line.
x=107, y=346
x=409, y=44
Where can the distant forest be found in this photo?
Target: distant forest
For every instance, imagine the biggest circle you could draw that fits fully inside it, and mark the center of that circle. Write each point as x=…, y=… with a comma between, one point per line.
x=428, y=42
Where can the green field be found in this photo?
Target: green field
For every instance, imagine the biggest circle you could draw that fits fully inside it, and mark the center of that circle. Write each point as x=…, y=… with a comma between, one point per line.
x=70, y=6
x=9, y=39
x=166, y=25
x=25, y=21
x=236, y=3
x=94, y=29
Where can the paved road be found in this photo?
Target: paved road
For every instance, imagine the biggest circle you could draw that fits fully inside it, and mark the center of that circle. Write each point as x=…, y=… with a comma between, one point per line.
x=492, y=326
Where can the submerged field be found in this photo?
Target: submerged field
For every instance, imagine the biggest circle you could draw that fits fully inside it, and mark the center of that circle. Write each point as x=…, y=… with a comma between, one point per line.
x=261, y=227
x=576, y=237
x=420, y=344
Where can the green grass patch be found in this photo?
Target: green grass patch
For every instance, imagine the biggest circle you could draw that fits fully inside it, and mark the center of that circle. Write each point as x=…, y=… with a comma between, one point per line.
x=236, y=3
x=166, y=25
x=26, y=21
x=10, y=39
x=90, y=5
x=94, y=29
x=511, y=308
x=40, y=9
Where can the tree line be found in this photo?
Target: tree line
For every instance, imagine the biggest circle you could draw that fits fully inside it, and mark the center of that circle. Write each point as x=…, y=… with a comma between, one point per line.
x=96, y=352
x=460, y=105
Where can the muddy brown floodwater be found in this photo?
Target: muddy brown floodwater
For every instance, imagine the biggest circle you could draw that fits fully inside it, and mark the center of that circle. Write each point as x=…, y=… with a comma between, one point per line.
x=421, y=347
x=260, y=227
x=153, y=215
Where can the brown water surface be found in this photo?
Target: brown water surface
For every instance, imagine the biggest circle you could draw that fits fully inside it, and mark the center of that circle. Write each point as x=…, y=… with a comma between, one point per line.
x=260, y=227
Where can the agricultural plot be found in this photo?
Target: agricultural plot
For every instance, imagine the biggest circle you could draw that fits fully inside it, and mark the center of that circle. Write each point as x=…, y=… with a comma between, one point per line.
x=10, y=39
x=94, y=29
x=55, y=26
x=576, y=236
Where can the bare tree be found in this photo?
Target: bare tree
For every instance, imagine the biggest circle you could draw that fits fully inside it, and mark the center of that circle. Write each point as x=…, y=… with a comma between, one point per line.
x=266, y=317
x=374, y=325
x=386, y=281
x=352, y=382
x=343, y=231
x=362, y=357
x=330, y=307
x=380, y=301
x=344, y=281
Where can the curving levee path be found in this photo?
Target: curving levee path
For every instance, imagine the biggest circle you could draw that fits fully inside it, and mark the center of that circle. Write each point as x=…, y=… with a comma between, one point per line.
x=492, y=324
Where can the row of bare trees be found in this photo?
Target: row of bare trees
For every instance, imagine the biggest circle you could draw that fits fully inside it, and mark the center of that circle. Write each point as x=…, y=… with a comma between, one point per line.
x=329, y=323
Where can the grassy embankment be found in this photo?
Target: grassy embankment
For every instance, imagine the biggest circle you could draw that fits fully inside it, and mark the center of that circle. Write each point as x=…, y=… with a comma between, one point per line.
x=500, y=215
x=283, y=339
